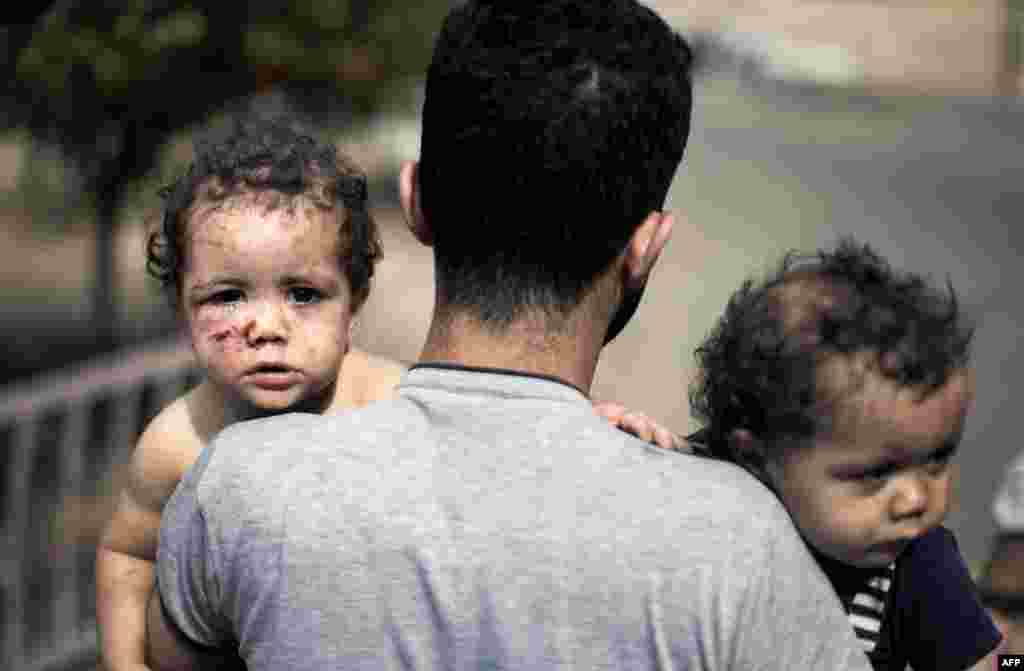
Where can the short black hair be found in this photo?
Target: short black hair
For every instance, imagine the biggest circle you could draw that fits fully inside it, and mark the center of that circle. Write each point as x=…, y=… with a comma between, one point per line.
x=757, y=370
x=275, y=156
x=550, y=131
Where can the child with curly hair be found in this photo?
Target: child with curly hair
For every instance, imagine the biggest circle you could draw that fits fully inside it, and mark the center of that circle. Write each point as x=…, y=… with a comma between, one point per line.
x=844, y=386
x=268, y=249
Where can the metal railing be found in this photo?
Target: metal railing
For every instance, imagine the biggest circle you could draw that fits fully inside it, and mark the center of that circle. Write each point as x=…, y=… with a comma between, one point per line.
x=61, y=437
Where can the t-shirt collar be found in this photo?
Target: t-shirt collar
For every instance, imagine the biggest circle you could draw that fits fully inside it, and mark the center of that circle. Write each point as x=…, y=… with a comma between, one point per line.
x=508, y=381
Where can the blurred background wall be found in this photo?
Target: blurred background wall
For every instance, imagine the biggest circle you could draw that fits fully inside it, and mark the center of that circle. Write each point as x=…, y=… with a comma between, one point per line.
x=897, y=122
x=934, y=46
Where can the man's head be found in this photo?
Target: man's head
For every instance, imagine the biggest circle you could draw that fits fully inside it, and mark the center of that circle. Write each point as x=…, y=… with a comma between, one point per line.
x=551, y=131
x=844, y=385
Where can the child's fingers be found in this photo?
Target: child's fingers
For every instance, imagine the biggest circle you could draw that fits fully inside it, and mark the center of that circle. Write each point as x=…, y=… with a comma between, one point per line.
x=665, y=438
x=647, y=429
x=638, y=424
x=610, y=410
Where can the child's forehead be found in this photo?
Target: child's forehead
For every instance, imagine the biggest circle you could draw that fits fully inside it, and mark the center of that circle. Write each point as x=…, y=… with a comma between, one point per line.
x=864, y=401
x=211, y=198
x=257, y=209
x=251, y=236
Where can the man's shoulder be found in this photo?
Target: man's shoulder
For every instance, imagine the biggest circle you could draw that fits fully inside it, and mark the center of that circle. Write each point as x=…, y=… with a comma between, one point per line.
x=709, y=478
x=251, y=469
x=680, y=492
x=291, y=436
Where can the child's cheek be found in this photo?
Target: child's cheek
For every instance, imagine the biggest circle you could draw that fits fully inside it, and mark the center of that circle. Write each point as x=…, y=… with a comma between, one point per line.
x=220, y=331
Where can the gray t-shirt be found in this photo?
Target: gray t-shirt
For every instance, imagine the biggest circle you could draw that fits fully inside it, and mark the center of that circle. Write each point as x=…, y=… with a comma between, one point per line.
x=487, y=520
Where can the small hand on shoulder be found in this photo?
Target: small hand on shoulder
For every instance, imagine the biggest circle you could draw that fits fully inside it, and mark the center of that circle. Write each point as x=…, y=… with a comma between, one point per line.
x=639, y=424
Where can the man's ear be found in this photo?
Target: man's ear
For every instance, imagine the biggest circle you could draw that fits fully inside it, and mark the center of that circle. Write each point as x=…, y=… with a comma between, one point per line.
x=750, y=452
x=645, y=246
x=409, y=196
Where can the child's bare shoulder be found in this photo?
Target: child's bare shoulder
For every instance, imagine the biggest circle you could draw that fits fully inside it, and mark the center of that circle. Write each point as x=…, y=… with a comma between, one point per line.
x=169, y=445
x=366, y=378
x=382, y=375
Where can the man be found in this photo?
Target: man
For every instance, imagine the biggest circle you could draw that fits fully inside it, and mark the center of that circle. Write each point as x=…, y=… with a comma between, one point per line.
x=487, y=517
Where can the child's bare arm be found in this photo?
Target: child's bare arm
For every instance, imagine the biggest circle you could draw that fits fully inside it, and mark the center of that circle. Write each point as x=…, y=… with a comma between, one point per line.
x=127, y=549
x=122, y=583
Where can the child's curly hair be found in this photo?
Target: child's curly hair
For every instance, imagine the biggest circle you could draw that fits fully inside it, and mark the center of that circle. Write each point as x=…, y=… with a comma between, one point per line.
x=759, y=367
x=282, y=166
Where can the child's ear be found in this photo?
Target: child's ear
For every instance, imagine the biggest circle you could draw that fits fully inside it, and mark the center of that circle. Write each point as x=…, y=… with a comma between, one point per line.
x=750, y=452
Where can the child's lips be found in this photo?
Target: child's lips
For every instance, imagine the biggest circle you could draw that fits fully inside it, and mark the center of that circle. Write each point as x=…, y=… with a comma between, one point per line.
x=273, y=377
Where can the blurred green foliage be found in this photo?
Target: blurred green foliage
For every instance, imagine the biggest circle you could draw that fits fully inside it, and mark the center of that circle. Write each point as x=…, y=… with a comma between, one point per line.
x=108, y=83
x=1015, y=45
x=85, y=64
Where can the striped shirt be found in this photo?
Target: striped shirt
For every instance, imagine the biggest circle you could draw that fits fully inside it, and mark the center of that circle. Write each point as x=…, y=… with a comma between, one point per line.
x=866, y=608
x=868, y=596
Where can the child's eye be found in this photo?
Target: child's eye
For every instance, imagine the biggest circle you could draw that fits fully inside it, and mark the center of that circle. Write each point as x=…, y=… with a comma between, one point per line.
x=877, y=473
x=940, y=459
x=873, y=475
x=225, y=297
x=304, y=295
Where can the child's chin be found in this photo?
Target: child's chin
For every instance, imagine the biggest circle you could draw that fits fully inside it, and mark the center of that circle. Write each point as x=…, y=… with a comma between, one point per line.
x=264, y=403
x=285, y=402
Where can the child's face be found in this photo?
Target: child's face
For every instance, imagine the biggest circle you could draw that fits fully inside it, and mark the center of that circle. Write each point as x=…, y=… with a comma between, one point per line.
x=881, y=476
x=266, y=303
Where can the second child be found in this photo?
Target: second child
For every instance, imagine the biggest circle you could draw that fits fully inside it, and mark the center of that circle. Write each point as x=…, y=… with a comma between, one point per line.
x=844, y=386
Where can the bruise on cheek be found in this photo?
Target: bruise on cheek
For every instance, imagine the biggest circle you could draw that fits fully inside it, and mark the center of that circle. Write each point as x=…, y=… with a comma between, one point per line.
x=224, y=333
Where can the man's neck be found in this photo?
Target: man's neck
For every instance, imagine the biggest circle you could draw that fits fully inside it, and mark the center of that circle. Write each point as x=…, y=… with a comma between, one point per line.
x=524, y=345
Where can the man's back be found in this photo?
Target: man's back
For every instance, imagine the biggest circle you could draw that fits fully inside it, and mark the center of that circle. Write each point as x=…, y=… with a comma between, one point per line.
x=485, y=519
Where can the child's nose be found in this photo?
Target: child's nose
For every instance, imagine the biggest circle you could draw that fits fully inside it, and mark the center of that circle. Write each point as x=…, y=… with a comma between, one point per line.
x=266, y=323
x=911, y=498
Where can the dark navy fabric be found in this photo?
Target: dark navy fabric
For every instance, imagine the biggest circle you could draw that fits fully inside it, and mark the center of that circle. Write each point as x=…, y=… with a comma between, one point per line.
x=934, y=620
